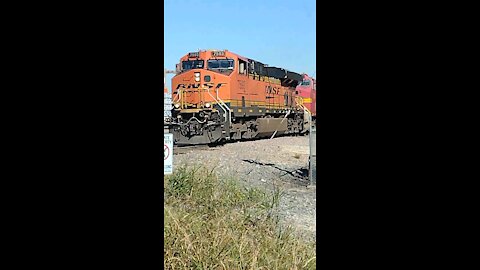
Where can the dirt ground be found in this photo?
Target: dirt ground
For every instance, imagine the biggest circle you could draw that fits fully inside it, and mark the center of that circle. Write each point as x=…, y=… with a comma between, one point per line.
x=280, y=162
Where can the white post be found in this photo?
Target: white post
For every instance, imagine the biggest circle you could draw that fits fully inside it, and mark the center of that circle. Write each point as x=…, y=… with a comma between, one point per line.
x=312, y=168
x=310, y=148
x=167, y=98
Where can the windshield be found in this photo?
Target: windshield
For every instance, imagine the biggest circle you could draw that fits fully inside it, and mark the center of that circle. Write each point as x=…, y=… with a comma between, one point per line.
x=306, y=82
x=186, y=65
x=220, y=64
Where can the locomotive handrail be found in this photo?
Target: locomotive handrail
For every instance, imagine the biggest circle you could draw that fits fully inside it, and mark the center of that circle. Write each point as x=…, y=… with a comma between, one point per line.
x=299, y=100
x=222, y=104
x=180, y=97
x=300, y=104
x=177, y=97
x=221, y=101
x=305, y=109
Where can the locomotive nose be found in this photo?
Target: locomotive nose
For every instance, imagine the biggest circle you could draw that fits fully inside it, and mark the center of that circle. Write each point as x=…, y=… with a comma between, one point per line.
x=192, y=77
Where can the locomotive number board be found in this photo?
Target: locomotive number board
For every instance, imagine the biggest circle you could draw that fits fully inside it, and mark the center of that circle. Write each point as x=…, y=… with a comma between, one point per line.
x=218, y=53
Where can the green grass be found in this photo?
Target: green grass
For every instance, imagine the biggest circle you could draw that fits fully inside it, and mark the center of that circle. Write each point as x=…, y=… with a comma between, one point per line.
x=213, y=223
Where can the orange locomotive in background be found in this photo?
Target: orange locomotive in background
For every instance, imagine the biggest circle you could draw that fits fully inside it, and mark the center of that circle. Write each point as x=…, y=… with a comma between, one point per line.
x=220, y=96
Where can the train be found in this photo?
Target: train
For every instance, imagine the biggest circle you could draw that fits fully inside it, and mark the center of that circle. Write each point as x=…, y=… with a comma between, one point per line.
x=220, y=96
x=307, y=90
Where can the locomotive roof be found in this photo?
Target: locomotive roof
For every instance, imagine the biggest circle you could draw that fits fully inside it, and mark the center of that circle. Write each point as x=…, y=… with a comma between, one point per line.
x=273, y=69
x=276, y=72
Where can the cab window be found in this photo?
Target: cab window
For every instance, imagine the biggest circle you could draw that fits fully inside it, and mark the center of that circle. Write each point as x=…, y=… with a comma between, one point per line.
x=220, y=64
x=192, y=64
x=306, y=82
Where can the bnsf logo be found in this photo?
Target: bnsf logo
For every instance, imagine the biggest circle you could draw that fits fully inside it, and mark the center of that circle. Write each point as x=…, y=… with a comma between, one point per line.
x=197, y=85
x=272, y=90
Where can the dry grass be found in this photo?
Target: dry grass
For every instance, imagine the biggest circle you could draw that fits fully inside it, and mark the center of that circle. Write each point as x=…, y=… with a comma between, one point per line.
x=216, y=224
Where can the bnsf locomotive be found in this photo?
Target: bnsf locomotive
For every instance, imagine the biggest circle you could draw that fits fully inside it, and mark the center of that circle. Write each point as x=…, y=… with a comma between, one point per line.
x=221, y=96
x=307, y=90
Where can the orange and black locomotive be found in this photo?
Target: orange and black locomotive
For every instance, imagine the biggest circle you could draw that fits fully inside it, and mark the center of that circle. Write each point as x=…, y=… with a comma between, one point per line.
x=221, y=96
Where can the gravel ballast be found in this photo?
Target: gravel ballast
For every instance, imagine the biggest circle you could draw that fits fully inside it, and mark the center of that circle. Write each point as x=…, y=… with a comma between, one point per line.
x=270, y=163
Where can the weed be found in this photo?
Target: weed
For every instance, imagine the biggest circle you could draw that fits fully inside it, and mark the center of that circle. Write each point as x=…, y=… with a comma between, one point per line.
x=213, y=223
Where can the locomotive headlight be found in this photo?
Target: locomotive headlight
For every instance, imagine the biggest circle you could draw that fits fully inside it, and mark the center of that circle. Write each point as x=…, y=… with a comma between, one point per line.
x=207, y=105
x=177, y=105
x=197, y=79
x=197, y=76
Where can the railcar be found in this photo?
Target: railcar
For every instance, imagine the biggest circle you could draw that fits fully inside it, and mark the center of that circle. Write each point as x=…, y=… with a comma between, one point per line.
x=221, y=96
x=307, y=90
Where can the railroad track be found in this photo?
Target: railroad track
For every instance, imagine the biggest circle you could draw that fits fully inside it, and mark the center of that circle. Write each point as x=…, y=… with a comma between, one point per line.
x=188, y=148
x=178, y=150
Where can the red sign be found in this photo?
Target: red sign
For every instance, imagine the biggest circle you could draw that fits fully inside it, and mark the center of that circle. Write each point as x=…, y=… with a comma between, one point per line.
x=166, y=152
